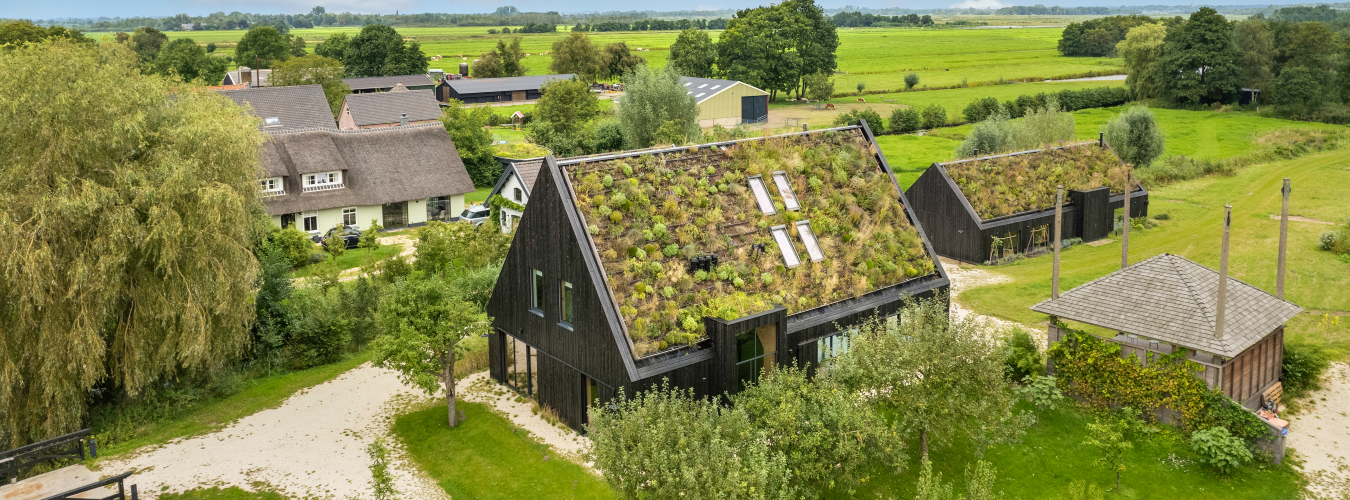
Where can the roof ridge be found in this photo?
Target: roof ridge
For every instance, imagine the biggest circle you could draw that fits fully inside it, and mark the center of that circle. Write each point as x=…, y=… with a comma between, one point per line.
x=1195, y=295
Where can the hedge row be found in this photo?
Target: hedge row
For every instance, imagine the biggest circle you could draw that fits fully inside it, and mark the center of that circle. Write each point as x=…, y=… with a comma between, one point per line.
x=1069, y=100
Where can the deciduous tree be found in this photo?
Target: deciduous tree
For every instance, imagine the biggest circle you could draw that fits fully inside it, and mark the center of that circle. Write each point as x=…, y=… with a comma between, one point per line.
x=423, y=320
x=1254, y=38
x=379, y=50
x=183, y=57
x=1140, y=49
x=652, y=99
x=617, y=60
x=23, y=31
x=261, y=47
x=333, y=47
x=575, y=54
x=1199, y=61
x=1110, y=442
x=126, y=232
x=819, y=86
x=694, y=54
x=1135, y=136
x=465, y=126
x=314, y=70
x=147, y=42
x=564, y=111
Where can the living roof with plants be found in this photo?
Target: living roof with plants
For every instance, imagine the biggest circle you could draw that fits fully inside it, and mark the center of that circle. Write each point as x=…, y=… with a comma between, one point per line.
x=997, y=186
x=519, y=150
x=649, y=215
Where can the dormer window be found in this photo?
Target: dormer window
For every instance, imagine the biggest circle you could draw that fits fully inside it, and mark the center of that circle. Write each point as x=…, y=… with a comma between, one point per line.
x=271, y=121
x=323, y=181
x=272, y=186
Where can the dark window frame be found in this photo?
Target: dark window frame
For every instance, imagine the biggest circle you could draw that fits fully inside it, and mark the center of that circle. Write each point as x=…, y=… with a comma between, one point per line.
x=566, y=300
x=537, y=295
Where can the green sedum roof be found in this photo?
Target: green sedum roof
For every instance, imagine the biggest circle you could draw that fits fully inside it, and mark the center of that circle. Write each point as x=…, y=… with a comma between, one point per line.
x=1003, y=185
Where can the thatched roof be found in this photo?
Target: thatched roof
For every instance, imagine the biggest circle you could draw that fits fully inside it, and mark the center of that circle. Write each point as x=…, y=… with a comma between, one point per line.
x=1171, y=299
x=379, y=166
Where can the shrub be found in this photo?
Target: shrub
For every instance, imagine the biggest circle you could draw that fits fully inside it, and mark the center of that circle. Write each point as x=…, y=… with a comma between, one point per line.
x=852, y=117
x=1162, y=216
x=321, y=332
x=906, y=120
x=980, y=109
x=1219, y=448
x=1021, y=358
x=1302, y=368
x=1135, y=136
x=998, y=134
x=1042, y=391
x=934, y=116
x=292, y=243
x=911, y=79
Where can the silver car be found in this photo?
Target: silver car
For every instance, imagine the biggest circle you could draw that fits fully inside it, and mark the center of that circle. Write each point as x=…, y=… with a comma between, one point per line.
x=475, y=214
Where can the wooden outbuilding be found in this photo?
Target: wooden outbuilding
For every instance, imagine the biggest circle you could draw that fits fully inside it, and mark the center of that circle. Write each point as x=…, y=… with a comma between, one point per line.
x=508, y=89
x=574, y=321
x=965, y=225
x=1167, y=303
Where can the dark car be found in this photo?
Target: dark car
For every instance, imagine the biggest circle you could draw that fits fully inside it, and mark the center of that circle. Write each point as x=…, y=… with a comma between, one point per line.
x=350, y=234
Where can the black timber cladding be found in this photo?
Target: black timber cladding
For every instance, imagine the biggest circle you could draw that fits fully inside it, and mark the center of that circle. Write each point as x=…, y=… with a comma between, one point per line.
x=551, y=237
x=959, y=233
x=478, y=90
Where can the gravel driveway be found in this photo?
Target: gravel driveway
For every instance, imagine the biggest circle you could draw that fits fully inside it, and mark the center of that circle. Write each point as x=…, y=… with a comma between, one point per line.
x=1320, y=432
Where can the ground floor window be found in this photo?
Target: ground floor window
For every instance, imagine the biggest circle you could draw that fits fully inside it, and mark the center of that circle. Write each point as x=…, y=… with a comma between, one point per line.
x=311, y=222
x=395, y=214
x=349, y=216
x=522, y=366
x=754, y=354
x=438, y=208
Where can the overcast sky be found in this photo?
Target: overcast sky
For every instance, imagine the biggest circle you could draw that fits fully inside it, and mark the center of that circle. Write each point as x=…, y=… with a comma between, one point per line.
x=158, y=8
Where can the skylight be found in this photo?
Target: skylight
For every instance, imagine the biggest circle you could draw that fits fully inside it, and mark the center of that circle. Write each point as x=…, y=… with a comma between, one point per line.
x=762, y=195
x=701, y=94
x=686, y=84
x=785, y=189
x=780, y=236
x=704, y=85
x=809, y=239
x=272, y=121
x=714, y=87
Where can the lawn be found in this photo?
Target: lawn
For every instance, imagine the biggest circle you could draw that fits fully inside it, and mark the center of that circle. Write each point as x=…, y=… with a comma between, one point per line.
x=1051, y=456
x=877, y=57
x=487, y=457
x=1316, y=280
x=954, y=100
x=478, y=196
x=351, y=258
x=257, y=395
x=910, y=155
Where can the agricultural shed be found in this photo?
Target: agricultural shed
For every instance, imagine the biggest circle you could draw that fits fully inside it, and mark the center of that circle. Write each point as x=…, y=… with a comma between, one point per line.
x=727, y=102
x=318, y=178
x=702, y=264
x=993, y=207
x=514, y=88
x=388, y=109
x=362, y=85
x=1168, y=302
x=285, y=108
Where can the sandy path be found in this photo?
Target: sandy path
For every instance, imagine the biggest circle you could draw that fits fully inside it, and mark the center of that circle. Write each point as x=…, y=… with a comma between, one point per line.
x=1321, y=434
x=964, y=278
x=313, y=445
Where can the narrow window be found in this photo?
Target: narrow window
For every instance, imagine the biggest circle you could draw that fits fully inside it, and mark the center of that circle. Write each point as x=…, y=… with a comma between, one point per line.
x=785, y=189
x=566, y=303
x=780, y=236
x=349, y=216
x=537, y=301
x=518, y=197
x=311, y=223
x=809, y=239
x=762, y=195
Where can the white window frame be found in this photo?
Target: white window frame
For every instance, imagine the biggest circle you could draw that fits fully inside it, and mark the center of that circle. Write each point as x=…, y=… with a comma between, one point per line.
x=809, y=239
x=519, y=194
x=304, y=222
x=761, y=193
x=349, y=211
x=272, y=186
x=780, y=178
x=537, y=285
x=323, y=180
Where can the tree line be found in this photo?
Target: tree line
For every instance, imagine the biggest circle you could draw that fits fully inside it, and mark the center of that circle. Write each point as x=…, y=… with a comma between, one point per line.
x=1098, y=37
x=654, y=25
x=860, y=20
x=1041, y=10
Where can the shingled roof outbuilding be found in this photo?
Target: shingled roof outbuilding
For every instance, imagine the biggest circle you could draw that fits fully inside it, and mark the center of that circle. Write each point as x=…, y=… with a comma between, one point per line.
x=380, y=166
x=380, y=108
x=1172, y=299
x=296, y=107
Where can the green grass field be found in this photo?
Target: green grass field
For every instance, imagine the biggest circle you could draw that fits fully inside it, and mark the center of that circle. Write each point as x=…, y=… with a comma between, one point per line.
x=486, y=457
x=954, y=100
x=351, y=258
x=258, y=394
x=1316, y=280
x=877, y=57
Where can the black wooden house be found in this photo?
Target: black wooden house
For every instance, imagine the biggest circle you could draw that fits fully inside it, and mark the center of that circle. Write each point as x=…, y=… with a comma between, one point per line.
x=571, y=329
x=959, y=231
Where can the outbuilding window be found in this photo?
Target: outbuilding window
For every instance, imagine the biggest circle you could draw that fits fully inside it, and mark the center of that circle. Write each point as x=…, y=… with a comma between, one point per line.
x=537, y=293
x=566, y=304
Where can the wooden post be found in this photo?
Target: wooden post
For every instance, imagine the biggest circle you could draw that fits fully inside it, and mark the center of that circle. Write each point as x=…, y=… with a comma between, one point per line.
x=1284, y=240
x=1125, y=226
x=1059, y=221
x=1223, y=273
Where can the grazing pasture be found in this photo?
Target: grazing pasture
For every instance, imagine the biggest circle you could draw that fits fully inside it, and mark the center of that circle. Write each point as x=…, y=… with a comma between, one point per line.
x=878, y=57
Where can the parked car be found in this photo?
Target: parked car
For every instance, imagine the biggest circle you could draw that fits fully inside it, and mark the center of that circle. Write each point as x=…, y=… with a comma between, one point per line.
x=348, y=233
x=475, y=214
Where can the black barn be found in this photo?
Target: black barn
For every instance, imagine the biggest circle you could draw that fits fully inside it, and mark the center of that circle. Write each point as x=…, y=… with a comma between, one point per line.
x=959, y=232
x=477, y=90
x=565, y=329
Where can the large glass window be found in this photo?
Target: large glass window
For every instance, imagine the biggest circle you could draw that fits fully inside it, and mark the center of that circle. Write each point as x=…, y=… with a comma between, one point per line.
x=537, y=297
x=311, y=222
x=829, y=348
x=522, y=366
x=438, y=208
x=566, y=304
x=754, y=353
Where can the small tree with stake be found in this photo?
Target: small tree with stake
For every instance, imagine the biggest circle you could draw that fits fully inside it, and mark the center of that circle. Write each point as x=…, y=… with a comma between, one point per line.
x=1108, y=438
x=335, y=245
x=422, y=321
x=370, y=239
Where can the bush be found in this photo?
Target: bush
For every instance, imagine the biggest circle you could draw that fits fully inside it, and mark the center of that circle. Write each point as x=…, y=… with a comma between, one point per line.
x=294, y=244
x=911, y=79
x=1021, y=358
x=934, y=116
x=1328, y=239
x=906, y=120
x=607, y=136
x=321, y=330
x=981, y=109
x=1302, y=368
x=998, y=134
x=852, y=117
x=1162, y=216
x=1042, y=391
x=1135, y=136
x=1219, y=448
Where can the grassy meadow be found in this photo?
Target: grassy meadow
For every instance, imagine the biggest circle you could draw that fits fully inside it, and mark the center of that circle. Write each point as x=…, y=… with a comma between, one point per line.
x=877, y=57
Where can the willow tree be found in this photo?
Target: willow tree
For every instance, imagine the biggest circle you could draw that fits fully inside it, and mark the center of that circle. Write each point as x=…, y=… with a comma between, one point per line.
x=127, y=217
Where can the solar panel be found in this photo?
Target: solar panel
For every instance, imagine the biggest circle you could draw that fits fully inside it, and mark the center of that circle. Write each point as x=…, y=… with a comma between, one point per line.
x=809, y=239
x=780, y=236
x=762, y=195
x=785, y=189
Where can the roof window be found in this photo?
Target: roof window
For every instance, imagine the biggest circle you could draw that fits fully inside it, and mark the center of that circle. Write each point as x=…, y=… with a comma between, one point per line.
x=686, y=84
x=762, y=195
x=714, y=87
x=809, y=239
x=701, y=94
x=272, y=121
x=780, y=236
x=785, y=189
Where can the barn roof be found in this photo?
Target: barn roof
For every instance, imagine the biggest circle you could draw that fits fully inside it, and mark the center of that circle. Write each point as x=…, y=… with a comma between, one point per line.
x=1172, y=299
x=387, y=82
x=296, y=107
x=380, y=166
x=705, y=88
x=804, y=220
x=378, y=108
x=508, y=84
